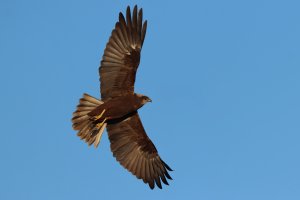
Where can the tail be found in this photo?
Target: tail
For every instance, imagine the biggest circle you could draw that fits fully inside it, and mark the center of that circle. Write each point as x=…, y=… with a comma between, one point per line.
x=88, y=129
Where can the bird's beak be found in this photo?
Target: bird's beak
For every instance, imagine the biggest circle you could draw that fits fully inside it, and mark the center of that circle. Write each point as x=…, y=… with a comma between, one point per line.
x=149, y=100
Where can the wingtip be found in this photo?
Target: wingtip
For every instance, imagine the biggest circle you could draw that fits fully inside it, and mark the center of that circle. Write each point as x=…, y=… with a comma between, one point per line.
x=168, y=175
x=128, y=9
x=151, y=185
x=159, y=185
x=135, y=7
x=166, y=182
x=167, y=166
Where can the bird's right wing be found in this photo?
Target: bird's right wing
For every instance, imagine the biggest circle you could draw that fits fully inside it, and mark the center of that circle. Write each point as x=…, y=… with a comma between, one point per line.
x=134, y=150
x=122, y=55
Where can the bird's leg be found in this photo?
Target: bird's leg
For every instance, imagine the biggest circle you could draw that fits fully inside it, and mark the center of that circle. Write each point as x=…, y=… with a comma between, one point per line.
x=99, y=116
x=99, y=125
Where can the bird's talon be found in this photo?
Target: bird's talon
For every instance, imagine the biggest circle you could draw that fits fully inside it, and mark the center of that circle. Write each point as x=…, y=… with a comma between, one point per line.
x=99, y=116
x=99, y=125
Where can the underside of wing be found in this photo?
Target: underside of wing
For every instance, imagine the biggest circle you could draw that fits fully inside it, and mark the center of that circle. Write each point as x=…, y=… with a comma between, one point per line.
x=122, y=55
x=134, y=150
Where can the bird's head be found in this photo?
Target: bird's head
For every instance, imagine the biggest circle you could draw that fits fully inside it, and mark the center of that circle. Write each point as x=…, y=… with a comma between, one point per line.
x=144, y=99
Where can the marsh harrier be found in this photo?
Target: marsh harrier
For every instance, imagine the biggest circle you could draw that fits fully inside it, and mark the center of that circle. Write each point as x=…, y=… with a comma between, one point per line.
x=117, y=111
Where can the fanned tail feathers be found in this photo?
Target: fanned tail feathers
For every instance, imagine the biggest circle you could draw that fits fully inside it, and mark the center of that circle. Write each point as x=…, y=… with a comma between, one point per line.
x=88, y=130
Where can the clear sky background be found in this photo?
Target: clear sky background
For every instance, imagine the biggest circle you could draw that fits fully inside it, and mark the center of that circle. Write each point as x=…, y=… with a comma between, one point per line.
x=224, y=77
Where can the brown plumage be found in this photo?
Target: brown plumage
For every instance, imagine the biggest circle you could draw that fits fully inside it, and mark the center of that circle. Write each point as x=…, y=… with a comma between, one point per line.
x=117, y=109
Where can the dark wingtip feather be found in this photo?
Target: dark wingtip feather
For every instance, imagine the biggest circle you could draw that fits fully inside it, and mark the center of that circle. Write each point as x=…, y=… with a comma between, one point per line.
x=158, y=183
x=151, y=185
x=164, y=180
x=168, y=175
x=134, y=14
x=145, y=24
x=121, y=16
x=167, y=166
x=128, y=11
x=144, y=29
x=140, y=17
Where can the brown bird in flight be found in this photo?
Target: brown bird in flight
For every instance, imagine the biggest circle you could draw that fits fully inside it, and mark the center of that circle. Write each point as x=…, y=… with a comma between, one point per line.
x=117, y=109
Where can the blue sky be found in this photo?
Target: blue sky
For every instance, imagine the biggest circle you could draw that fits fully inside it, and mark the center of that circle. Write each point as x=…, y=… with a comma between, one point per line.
x=223, y=77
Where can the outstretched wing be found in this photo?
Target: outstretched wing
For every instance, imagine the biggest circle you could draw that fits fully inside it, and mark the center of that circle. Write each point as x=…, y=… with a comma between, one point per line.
x=134, y=150
x=122, y=55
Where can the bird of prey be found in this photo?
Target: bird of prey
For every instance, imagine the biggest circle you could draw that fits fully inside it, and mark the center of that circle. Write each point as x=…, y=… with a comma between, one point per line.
x=117, y=111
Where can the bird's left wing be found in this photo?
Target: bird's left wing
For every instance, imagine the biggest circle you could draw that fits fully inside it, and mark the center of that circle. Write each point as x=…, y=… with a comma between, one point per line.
x=134, y=150
x=122, y=55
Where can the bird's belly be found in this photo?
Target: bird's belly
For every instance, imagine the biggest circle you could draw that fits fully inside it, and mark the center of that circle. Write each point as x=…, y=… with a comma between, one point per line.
x=115, y=108
x=119, y=110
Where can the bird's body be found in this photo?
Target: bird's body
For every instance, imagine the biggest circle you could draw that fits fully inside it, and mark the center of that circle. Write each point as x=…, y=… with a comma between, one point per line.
x=120, y=106
x=117, y=111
